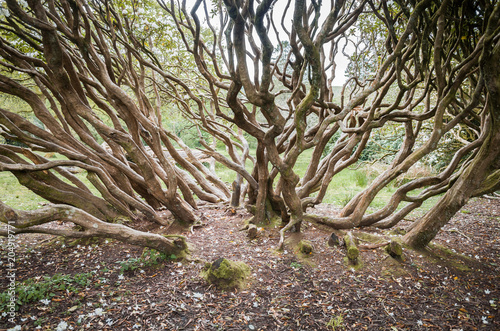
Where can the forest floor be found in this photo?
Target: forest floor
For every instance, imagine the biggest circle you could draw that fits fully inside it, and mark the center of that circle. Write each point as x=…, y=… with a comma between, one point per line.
x=107, y=285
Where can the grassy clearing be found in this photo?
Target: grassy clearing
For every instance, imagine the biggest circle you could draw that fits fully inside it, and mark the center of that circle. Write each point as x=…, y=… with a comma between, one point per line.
x=17, y=196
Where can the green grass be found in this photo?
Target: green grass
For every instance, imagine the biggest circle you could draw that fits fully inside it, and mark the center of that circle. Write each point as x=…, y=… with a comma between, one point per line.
x=343, y=187
x=17, y=196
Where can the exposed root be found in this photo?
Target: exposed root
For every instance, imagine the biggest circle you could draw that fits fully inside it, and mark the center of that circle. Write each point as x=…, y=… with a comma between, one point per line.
x=290, y=224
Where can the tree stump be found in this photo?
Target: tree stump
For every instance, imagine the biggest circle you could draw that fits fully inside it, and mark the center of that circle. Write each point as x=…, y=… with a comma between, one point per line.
x=394, y=249
x=351, y=247
x=252, y=231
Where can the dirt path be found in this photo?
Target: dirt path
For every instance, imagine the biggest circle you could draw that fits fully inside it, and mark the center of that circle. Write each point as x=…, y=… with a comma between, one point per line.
x=454, y=285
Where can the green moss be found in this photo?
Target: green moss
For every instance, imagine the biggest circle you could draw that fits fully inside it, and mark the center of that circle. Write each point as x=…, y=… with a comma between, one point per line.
x=394, y=249
x=272, y=219
x=82, y=241
x=351, y=246
x=226, y=274
x=368, y=237
x=392, y=268
x=181, y=244
x=352, y=253
x=305, y=247
x=444, y=256
x=397, y=232
x=354, y=265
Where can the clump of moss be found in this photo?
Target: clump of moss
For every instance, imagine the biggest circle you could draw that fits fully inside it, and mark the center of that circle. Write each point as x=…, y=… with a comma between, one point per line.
x=305, y=247
x=226, y=274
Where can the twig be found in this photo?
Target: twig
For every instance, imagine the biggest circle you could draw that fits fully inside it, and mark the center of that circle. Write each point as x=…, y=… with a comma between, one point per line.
x=455, y=230
x=382, y=302
x=185, y=326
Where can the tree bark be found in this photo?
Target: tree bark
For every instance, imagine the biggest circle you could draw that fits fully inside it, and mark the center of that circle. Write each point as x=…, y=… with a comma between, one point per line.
x=33, y=221
x=486, y=162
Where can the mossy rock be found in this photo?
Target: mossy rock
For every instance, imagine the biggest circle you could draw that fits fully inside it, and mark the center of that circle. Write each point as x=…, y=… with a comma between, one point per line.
x=333, y=240
x=305, y=247
x=226, y=274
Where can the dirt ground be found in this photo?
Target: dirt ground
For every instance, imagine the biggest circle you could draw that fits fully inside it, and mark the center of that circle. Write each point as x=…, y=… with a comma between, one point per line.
x=454, y=285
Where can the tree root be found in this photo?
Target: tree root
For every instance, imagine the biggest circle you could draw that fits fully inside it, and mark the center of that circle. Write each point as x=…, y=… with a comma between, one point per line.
x=293, y=221
x=20, y=221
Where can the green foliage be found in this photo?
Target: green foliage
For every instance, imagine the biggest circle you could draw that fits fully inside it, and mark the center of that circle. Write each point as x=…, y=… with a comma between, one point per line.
x=345, y=198
x=382, y=146
x=331, y=143
x=336, y=323
x=149, y=257
x=446, y=149
x=296, y=265
x=361, y=178
x=32, y=290
x=130, y=264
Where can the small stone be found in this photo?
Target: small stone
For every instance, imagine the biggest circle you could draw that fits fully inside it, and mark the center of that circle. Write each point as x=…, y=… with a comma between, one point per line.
x=333, y=240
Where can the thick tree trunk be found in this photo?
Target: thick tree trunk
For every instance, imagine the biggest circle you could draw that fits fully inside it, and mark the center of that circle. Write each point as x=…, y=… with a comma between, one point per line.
x=486, y=162
x=471, y=180
x=263, y=176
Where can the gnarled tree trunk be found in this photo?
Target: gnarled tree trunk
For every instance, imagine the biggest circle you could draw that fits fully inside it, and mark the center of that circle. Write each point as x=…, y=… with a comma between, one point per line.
x=34, y=221
x=487, y=160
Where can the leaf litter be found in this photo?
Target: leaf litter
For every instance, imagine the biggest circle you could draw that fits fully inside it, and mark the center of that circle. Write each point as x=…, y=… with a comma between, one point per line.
x=454, y=285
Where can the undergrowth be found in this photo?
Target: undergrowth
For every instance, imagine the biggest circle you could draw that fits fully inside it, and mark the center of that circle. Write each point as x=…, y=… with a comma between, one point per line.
x=45, y=288
x=149, y=257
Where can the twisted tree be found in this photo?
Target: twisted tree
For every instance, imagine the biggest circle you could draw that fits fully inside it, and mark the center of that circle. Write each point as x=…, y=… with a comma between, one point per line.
x=416, y=64
x=101, y=74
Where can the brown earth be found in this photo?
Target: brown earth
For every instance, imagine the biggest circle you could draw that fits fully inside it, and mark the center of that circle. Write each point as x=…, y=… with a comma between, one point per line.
x=454, y=285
